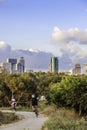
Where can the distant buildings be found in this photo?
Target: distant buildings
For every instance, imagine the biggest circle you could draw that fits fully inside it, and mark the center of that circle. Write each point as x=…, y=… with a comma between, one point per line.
x=54, y=64
x=10, y=65
x=85, y=69
x=70, y=72
x=14, y=66
x=77, y=69
x=20, y=65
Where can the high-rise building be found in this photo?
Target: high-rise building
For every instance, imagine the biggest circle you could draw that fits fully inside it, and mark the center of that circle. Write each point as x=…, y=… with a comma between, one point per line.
x=12, y=63
x=85, y=69
x=14, y=66
x=21, y=65
x=77, y=69
x=54, y=64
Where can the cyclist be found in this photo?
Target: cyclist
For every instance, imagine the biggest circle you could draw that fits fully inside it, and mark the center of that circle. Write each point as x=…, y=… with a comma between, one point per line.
x=13, y=103
x=35, y=104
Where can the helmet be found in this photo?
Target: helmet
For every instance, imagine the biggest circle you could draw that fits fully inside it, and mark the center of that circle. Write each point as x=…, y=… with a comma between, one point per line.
x=13, y=100
x=33, y=96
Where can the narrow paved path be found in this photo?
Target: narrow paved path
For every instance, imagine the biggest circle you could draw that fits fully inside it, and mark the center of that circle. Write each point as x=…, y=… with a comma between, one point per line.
x=30, y=122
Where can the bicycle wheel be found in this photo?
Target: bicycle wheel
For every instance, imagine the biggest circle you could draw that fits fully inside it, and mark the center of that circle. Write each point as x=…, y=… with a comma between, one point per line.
x=36, y=112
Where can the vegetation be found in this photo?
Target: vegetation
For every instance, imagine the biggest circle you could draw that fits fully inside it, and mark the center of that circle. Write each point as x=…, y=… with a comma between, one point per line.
x=6, y=118
x=71, y=92
x=64, y=119
x=21, y=86
x=63, y=91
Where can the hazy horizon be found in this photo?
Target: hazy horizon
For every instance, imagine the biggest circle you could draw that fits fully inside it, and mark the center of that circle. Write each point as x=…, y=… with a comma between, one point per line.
x=58, y=27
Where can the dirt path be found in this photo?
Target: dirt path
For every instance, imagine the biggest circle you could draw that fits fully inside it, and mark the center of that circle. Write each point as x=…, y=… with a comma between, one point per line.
x=30, y=122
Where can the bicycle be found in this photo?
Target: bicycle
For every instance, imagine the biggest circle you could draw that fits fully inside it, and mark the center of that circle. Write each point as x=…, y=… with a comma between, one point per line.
x=35, y=110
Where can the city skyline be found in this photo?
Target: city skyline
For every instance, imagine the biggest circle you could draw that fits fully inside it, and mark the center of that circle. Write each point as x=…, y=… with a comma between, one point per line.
x=53, y=26
x=15, y=66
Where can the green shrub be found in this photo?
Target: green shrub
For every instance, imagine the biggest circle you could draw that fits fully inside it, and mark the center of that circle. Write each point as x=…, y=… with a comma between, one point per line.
x=64, y=120
x=42, y=105
x=6, y=118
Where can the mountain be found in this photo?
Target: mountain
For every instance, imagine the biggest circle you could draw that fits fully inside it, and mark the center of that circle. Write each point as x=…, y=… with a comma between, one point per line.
x=39, y=60
x=34, y=59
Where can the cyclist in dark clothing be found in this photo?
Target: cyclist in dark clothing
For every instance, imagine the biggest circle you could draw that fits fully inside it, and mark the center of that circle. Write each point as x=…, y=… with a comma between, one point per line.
x=35, y=104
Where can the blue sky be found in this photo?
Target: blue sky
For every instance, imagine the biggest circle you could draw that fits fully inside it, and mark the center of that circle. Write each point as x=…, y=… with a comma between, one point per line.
x=44, y=24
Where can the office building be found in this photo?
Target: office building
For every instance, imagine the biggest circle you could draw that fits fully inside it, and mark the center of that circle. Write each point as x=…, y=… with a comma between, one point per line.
x=20, y=65
x=85, y=69
x=54, y=64
x=77, y=69
x=12, y=63
x=14, y=66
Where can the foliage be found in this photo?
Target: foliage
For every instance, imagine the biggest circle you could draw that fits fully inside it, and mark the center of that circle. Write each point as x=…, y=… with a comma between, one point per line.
x=6, y=118
x=58, y=88
x=70, y=92
x=21, y=86
x=65, y=120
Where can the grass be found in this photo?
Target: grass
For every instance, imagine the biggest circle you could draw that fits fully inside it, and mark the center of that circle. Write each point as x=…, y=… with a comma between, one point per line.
x=62, y=119
x=42, y=105
x=58, y=119
x=6, y=118
x=19, y=108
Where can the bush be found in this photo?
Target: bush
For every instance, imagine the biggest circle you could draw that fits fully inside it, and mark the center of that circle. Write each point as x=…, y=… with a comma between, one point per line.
x=65, y=120
x=6, y=118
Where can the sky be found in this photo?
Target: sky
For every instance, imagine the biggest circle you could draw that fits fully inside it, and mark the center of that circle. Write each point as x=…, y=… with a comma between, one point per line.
x=56, y=26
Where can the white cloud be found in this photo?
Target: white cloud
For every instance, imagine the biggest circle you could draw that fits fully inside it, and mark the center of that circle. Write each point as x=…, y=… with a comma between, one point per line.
x=4, y=47
x=72, y=34
x=33, y=50
x=58, y=35
x=71, y=41
x=72, y=44
x=34, y=61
